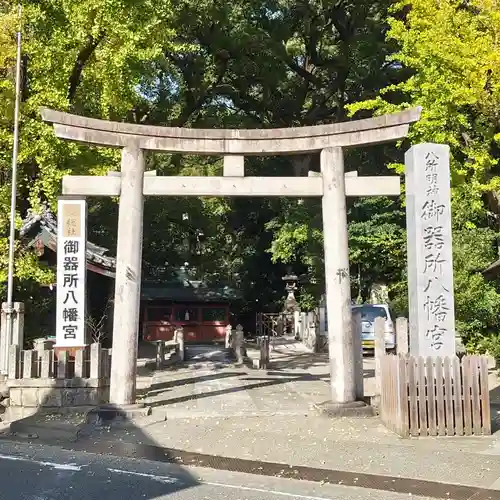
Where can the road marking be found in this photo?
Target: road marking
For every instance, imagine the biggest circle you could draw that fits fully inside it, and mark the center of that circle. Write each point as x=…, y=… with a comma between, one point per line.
x=71, y=467
x=160, y=479
x=262, y=490
x=495, y=485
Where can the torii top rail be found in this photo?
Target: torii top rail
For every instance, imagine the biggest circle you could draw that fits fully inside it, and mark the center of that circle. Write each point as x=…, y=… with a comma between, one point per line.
x=273, y=141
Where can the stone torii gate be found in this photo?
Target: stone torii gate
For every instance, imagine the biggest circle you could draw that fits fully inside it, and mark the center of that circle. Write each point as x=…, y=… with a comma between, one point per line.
x=332, y=184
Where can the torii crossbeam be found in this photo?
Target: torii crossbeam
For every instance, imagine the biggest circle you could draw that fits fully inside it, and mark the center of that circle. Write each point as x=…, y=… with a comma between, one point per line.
x=332, y=184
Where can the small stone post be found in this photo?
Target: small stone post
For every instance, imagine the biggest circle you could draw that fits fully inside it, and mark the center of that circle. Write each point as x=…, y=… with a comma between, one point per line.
x=303, y=326
x=160, y=354
x=95, y=361
x=296, y=324
x=238, y=340
x=402, y=335
x=179, y=338
x=264, y=352
x=47, y=364
x=229, y=330
x=280, y=326
x=379, y=353
x=358, y=366
x=18, y=325
x=312, y=341
x=14, y=365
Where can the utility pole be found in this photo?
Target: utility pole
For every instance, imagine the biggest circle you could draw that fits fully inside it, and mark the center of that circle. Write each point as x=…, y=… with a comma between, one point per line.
x=13, y=201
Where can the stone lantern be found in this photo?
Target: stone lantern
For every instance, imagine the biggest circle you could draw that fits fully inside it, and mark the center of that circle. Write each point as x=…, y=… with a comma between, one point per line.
x=291, y=286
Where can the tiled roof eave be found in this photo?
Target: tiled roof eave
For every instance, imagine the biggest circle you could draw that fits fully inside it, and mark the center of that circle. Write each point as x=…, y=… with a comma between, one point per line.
x=48, y=222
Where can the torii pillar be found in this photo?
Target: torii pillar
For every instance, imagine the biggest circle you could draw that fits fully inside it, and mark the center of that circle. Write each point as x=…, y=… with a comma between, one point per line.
x=332, y=184
x=128, y=276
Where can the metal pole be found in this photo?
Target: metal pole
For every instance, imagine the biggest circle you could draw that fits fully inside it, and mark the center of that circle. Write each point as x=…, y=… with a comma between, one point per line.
x=13, y=200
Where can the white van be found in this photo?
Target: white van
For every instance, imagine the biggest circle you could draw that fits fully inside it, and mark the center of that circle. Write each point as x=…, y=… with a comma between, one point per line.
x=368, y=314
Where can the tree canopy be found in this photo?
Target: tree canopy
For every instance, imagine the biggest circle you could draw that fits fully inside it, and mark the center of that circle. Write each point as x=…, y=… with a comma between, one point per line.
x=451, y=49
x=254, y=64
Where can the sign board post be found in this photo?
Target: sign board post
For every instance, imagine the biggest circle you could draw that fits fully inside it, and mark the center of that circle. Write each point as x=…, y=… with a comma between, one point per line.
x=71, y=272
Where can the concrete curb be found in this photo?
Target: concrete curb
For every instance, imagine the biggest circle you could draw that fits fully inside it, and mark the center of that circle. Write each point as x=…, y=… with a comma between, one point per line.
x=44, y=431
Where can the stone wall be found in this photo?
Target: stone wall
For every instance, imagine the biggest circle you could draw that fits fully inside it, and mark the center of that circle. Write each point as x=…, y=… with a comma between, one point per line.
x=58, y=393
x=57, y=380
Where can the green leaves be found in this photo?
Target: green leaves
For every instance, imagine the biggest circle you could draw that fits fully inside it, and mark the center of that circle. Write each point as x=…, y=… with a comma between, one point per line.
x=454, y=58
x=249, y=64
x=452, y=52
x=89, y=57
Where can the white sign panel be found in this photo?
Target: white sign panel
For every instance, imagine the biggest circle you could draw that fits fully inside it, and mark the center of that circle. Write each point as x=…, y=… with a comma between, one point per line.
x=71, y=272
x=430, y=262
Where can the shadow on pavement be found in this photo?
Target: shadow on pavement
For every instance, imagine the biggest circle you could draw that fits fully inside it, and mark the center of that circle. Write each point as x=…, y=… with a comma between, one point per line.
x=44, y=472
x=301, y=361
x=164, y=386
x=68, y=428
x=46, y=427
x=387, y=483
x=261, y=381
x=284, y=368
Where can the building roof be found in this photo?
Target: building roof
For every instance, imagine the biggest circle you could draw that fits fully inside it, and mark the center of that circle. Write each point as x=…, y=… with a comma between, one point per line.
x=188, y=291
x=493, y=269
x=43, y=227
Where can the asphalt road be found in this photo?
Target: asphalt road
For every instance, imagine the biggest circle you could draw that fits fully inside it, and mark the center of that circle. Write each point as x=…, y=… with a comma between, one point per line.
x=38, y=472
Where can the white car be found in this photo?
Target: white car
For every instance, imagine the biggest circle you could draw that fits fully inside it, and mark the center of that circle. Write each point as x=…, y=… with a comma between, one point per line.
x=369, y=312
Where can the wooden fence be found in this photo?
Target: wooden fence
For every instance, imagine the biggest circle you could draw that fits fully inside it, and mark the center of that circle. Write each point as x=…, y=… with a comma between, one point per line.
x=91, y=362
x=435, y=396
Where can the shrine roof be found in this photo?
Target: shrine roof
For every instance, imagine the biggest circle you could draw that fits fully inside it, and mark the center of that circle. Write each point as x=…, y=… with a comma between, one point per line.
x=187, y=293
x=493, y=269
x=43, y=227
x=177, y=287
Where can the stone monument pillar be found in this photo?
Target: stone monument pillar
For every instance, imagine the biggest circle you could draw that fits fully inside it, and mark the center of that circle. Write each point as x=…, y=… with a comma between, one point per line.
x=430, y=262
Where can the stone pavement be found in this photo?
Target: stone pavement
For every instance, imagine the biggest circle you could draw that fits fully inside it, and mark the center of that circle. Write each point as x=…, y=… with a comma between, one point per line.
x=210, y=406
x=210, y=385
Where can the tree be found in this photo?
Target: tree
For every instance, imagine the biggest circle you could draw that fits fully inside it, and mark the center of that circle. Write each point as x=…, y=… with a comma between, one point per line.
x=253, y=64
x=291, y=64
x=87, y=57
x=451, y=48
x=123, y=61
